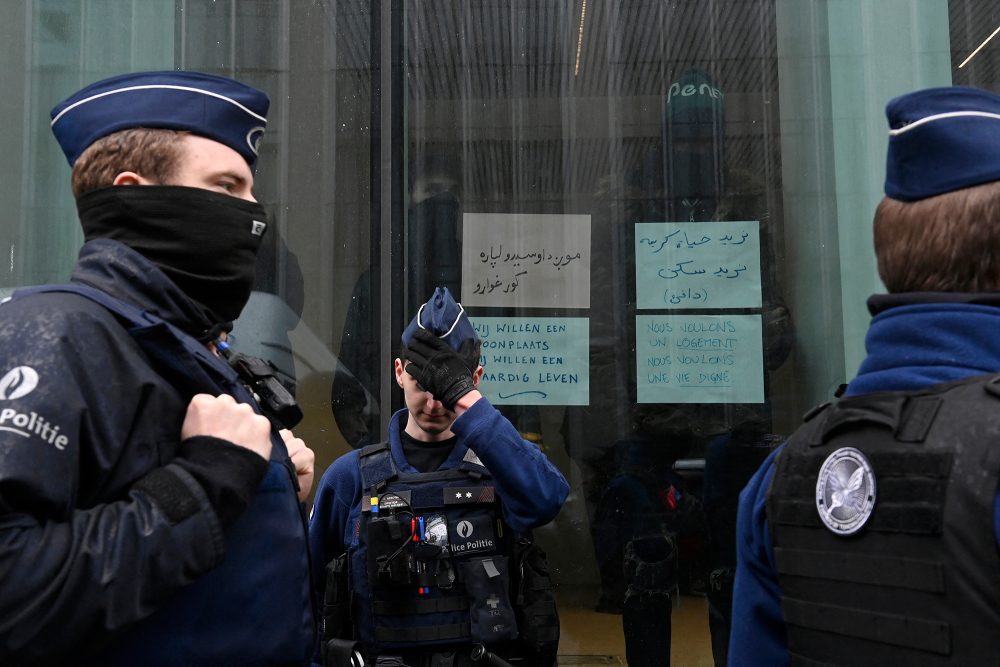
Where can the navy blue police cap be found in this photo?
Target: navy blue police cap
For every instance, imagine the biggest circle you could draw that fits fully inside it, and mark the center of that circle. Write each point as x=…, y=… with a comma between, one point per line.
x=443, y=317
x=215, y=107
x=941, y=140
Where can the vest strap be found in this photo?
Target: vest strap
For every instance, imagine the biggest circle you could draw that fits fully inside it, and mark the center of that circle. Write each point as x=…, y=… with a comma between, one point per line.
x=427, y=633
x=909, y=518
x=197, y=371
x=902, y=631
x=376, y=466
x=919, y=575
x=425, y=606
x=918, y=416
x=374, y=449
x=884, y=410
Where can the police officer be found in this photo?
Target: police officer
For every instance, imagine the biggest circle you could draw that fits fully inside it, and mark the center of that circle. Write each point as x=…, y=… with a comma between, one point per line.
x=139, y=485
x=423, y=530
x=871, y=537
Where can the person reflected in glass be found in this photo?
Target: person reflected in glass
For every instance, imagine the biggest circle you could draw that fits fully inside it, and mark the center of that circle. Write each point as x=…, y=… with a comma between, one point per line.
x=688, y=179
x=433, y=256
x=645, y=515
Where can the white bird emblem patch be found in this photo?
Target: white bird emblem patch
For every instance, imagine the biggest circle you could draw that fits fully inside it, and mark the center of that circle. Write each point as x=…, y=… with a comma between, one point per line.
x=845, y=491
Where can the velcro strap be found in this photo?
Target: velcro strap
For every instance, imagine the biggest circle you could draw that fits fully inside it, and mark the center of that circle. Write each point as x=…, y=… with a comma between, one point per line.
x=892, y=629
x=376, y=466
x=912, y=518
x=420, y=606
x=897, y=489
x=914, y=463
x=918, y=575
x=427, y=633
x=374, y=449
x=169, y=493
x=882, y=409
x=918, y=416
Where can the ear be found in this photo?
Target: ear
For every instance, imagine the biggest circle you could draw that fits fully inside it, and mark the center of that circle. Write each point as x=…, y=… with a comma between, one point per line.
x=477, y=376
x=398, y=367
x=131, y=178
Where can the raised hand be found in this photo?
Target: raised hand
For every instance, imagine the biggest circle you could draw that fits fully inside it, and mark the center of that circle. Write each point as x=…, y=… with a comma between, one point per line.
x=438, y=368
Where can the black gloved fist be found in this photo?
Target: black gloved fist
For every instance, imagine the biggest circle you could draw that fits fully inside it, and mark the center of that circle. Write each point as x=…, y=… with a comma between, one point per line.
x=438, y=368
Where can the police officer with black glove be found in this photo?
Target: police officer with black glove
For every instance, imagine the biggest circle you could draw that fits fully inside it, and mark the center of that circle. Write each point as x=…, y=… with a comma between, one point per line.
x=434, y=525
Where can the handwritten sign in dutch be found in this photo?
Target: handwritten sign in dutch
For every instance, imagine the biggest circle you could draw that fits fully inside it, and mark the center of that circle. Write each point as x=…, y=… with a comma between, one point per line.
x=697, y=265
x=699, y=359
x=535, y=360
x=526, y=260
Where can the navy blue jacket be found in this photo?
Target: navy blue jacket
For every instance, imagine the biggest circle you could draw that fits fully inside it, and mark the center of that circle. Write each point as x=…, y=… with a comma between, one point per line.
x=531, y=489
x=110, y=551
x=909, y=347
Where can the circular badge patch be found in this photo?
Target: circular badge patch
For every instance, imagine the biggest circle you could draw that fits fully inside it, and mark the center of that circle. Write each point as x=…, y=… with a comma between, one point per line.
x=253, y=138
x=845, y=491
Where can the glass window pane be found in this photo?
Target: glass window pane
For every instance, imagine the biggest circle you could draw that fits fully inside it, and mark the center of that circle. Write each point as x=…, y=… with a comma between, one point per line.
x=658, y=214
x=314, y=175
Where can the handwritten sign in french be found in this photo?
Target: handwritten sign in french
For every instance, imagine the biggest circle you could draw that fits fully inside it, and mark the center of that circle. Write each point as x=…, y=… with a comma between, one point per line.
x=697, y=265
x=526, y=260
x=535, y=360
x=699, y=359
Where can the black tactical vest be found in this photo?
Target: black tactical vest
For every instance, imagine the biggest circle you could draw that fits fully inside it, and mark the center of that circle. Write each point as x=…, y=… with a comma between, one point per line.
x=436, y=569
x=904, y=570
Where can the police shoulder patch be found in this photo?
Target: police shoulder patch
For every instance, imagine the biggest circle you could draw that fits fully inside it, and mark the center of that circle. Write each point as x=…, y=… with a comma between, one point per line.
x=845, y=491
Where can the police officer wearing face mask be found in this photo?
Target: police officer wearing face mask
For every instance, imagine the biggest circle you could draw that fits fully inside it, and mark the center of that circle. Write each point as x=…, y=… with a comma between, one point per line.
x=149, y=515
x=427, y=536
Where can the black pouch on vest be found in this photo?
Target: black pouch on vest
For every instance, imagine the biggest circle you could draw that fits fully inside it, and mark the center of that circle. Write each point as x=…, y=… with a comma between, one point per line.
x=336, y=621
x=390, y=560
x=537, y=615
x=487, y=582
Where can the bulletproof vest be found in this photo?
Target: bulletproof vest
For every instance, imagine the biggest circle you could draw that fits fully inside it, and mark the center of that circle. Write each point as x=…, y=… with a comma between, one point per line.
x=228, y=615
x=881, y=515
x=435, y=564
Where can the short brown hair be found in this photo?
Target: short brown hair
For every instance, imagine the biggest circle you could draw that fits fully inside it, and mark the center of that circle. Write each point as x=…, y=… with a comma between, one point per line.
x=151, y=153
x=946, y=243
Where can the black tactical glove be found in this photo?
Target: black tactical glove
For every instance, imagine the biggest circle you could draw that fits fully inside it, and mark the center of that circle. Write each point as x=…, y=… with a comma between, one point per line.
x=438, y=368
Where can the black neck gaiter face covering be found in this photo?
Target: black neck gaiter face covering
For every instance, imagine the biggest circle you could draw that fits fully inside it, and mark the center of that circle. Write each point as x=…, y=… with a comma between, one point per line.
x=204, y=241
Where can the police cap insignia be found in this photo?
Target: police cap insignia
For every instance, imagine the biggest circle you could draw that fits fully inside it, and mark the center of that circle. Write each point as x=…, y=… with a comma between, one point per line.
x=845, y=491
x=214, y=107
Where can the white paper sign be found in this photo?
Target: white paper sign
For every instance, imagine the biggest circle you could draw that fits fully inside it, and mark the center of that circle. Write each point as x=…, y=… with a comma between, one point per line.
x=699, y=359
x=526, y=260
x=698, y=265
x=535, y=360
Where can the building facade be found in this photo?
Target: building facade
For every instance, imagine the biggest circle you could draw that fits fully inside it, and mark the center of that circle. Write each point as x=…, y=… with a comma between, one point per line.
x=656, y=212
